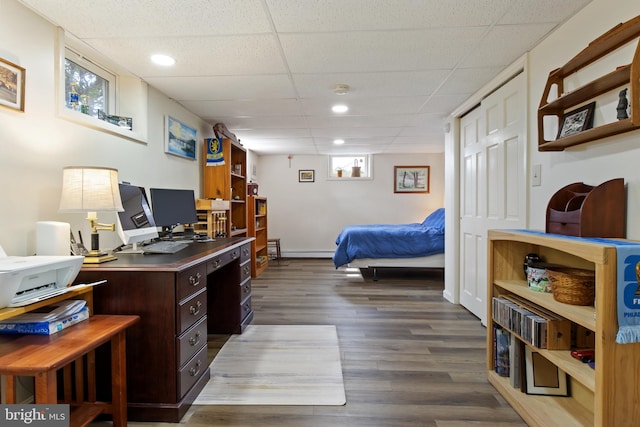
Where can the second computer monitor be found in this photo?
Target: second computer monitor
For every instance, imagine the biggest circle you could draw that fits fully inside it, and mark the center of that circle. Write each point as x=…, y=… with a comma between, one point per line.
x=172, y=207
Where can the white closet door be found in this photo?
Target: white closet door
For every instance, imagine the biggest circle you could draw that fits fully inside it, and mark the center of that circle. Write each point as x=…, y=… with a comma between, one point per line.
x=492, y=183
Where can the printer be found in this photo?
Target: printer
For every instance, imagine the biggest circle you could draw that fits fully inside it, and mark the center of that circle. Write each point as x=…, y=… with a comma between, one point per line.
x=28, y=279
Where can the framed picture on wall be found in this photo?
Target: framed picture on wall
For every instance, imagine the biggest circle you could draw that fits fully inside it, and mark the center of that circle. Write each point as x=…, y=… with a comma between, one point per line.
x=306, y=175
x=180, y=138
x=411, y=179
x=12, y=79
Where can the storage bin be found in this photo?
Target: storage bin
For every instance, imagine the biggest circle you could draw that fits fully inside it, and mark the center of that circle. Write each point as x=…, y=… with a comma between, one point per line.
x=572, y=285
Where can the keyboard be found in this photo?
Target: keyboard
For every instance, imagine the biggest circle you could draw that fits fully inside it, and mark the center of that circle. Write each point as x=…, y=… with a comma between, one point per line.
x=164, y=247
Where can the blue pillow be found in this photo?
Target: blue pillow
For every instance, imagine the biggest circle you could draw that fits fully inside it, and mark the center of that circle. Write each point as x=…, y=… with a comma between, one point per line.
x=435, y=219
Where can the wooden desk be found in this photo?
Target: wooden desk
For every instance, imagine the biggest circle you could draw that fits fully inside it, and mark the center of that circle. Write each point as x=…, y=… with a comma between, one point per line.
x=180, y=298
x=41, y=356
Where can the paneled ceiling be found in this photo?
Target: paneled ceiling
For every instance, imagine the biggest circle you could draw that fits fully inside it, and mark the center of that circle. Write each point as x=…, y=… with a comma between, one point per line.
x=267, y=68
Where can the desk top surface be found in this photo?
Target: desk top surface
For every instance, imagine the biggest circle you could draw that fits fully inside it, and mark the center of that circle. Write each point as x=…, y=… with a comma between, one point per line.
x=29, y=354
x=194, y=253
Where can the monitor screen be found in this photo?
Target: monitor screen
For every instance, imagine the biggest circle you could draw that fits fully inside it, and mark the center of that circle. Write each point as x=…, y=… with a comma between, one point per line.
x=173, y=207
x=136, y=223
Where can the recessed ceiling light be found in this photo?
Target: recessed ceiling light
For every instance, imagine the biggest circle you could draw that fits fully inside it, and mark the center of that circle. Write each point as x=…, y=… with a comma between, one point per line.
x=164, y=60
x=338, y=141
x=339, y=108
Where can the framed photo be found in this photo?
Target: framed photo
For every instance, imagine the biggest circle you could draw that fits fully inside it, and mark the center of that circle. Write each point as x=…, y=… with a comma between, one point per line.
x=306, y=175
x=180, y=139
x=11, y=85
x=543, y=377
x=577, y=120
x=411, y=179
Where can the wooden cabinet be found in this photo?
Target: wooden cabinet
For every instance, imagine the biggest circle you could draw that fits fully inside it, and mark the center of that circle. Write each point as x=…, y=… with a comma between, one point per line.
x=229, y=182
x=180, y=298
x=628, y=74
x=258, y=228
x=604, y=396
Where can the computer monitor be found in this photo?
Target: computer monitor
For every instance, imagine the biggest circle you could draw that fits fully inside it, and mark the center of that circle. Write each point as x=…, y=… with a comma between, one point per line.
x=136, y=224
x=172, y=207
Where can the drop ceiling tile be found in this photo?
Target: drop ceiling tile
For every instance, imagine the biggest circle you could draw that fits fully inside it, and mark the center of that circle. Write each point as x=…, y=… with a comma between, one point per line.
x=153, y=18
x=358, y=121
x=220, y=88
x=539, y=11
x=275, y=107
x=398, y=83
x=232, y=55
x=357, y=15
x=272, y=122
x=513, y=40
x=365, y=106
x=443, y=105
x=438, y=48
x=355, y=132
x=466, y=81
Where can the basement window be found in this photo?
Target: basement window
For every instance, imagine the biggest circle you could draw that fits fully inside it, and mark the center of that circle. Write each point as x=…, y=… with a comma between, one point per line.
x=356, y=166
x=95, y=92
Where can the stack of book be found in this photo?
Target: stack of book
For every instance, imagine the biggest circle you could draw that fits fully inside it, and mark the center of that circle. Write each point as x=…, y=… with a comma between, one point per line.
x=47, y=320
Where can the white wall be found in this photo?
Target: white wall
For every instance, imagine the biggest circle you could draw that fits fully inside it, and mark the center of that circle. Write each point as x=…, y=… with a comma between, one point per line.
x=37, y=144
x=595, y=162
x=307, y=217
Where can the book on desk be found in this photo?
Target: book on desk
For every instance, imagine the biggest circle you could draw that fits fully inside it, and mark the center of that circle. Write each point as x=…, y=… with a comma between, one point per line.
x=47, y=320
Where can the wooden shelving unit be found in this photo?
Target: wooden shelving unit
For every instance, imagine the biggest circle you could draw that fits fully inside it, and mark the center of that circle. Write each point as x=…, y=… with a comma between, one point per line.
x=626, y=75
x=229, y=182
x=213, y=217
x=604, y=396
x=258, y=228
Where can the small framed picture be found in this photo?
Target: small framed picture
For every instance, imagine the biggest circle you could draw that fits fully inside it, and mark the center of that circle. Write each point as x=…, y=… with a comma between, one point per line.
x=411, y=179
x=577, y=120
x=306, y=175
x=12, y=79
x=543, y=377
x=180, y=138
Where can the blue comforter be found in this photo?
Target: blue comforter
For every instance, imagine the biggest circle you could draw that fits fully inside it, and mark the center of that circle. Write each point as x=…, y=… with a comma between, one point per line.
x=391, y=240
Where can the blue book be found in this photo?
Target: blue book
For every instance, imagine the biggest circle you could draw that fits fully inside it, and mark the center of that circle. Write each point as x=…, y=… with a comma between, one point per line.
x=48, y=320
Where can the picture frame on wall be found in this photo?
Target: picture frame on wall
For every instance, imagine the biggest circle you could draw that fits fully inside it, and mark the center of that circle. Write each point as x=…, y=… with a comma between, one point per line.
x=306, y=175
x=180, y=138
x=577, y=120
x=12, y=84
x=411, y=179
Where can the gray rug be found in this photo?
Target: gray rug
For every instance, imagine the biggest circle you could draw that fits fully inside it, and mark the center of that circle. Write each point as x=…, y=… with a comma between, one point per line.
x=277, y=365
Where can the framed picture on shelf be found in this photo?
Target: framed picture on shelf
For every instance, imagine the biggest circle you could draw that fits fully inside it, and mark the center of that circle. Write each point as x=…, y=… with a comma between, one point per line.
x=577, y=120
x=306, y=175
x=543, y=377
x=411, y=179
x=12, y=79
x=180, y=139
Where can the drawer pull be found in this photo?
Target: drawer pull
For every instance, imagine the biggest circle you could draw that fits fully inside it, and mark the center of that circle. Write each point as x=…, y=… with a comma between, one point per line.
x=246, y=251
x=246, y=290
x=196, y=369
x=216, y=263
x=194, y=340
x=246, y=270
x=234, y=254
x=195, y=280
x=195, y=310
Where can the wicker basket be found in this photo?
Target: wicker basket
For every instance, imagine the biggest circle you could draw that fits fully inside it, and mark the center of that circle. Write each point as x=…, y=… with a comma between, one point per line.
x=573, y=285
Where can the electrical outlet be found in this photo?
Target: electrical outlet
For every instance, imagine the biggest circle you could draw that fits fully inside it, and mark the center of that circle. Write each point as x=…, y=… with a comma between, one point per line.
x=536, y=175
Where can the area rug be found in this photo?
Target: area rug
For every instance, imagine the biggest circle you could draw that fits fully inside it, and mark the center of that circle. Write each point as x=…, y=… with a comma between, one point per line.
x=277, y=365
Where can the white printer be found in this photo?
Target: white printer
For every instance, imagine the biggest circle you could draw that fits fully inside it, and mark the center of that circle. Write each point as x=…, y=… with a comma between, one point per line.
x=28, y=279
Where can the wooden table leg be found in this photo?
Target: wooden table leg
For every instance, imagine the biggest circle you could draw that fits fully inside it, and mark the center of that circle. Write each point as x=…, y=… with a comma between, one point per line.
x=119, y=379
x=10, y=389
x=46, y=387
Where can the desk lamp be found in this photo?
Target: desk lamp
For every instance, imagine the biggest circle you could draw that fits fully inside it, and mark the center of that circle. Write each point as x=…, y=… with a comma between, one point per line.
x=91, y=189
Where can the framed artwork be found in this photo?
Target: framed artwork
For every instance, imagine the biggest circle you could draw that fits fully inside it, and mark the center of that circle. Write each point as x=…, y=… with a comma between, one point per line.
x=543, y=377
x=306, y=175
x=411, y=179
x=180, y=139
x=577, y=120
x=11, y=85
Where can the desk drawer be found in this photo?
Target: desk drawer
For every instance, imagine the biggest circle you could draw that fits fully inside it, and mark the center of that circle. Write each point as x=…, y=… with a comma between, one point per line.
x=191, y=341
x=245, y=307
x=245, y=290
x=192, y=371
x=245, y=252
x=245, y=271
x=190, y=310
x=191, y=281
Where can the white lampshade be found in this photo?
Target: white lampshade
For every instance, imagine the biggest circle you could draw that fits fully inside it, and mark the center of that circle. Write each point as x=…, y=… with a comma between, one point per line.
x=92, y=189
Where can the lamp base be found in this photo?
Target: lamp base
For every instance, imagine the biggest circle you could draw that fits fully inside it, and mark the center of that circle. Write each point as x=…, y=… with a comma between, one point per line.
x=95, y=257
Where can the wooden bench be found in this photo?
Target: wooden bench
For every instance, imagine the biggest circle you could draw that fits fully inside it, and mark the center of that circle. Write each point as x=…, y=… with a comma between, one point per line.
x=41, y=356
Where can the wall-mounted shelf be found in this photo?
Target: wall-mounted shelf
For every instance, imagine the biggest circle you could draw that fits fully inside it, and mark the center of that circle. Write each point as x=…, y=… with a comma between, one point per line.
x=625, y=75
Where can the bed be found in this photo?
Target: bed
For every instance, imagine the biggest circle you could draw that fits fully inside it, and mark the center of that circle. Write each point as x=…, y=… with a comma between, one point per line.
x=418, y=245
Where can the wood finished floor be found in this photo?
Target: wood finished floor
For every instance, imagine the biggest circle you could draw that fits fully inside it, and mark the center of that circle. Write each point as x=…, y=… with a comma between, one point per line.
x=409, y=358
